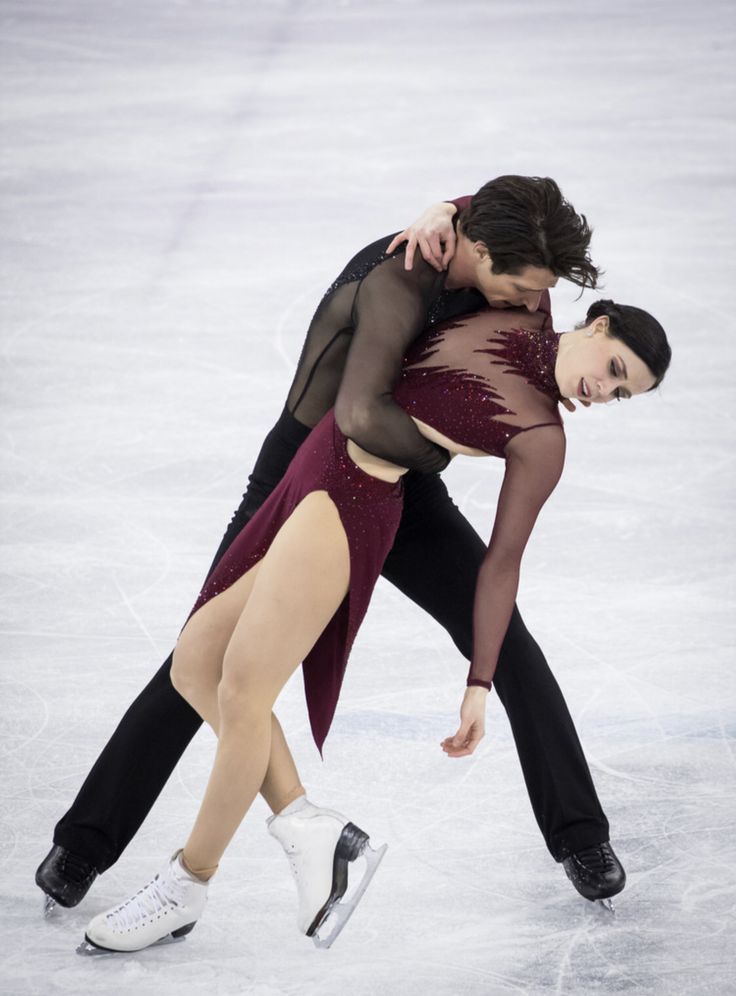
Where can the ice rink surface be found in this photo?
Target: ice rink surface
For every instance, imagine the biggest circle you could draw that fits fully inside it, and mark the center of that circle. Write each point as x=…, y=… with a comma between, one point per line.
x=181, y=181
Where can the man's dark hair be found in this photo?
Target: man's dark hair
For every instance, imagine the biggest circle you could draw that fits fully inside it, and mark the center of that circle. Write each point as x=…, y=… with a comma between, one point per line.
x=525, y=221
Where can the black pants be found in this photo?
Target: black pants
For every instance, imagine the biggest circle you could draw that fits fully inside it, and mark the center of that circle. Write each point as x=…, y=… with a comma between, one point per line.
x=434, y=561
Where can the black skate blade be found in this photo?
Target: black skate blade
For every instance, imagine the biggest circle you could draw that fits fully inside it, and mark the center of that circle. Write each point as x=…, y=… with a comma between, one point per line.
x=88, y=948
x=334, y=917
x=606, y=905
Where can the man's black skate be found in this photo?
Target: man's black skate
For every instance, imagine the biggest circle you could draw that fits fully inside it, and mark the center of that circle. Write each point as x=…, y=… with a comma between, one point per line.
x=596, y=873
x=65, y=878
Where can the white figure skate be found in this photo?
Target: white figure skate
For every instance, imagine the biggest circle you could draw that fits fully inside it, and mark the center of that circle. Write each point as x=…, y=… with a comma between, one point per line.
x=320, y=844
x=164, y=910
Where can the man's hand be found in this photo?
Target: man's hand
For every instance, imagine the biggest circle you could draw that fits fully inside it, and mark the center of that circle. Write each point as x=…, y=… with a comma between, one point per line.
x=472, y=724
x=433, y=232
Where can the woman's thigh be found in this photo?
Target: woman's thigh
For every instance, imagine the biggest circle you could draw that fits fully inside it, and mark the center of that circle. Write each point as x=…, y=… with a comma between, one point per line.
x=201, y=646
x=301, y=582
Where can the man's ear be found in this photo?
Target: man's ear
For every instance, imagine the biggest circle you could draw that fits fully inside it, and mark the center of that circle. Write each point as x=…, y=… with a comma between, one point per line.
x=480, y=250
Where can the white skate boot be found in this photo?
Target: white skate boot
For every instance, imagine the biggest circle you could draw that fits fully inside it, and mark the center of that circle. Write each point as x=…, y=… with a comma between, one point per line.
x=320, y=844
x=166, y=909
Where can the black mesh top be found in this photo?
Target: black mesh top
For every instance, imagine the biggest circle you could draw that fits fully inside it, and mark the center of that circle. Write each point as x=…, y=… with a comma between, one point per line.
x=354, y=347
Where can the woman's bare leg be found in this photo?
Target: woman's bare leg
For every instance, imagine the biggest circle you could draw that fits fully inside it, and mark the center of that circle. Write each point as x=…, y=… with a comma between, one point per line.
x=297, y=588
x=282, y=784
x=196, y=674
x=196, y=668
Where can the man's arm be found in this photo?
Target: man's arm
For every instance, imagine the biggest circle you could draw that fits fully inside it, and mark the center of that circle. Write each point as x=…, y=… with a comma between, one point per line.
x=391, y=310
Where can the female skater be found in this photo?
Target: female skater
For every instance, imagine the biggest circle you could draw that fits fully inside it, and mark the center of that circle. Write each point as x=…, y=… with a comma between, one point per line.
x=295, y=584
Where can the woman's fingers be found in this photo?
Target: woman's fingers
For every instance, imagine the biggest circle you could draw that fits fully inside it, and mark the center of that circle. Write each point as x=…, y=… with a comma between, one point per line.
x=450, y=242
x=396, y=241
x=431, y=247
x=464, y=742
x=411, y=246
x=433, y=232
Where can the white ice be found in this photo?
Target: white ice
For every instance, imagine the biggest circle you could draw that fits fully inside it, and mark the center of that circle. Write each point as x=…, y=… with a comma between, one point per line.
x=181, y=180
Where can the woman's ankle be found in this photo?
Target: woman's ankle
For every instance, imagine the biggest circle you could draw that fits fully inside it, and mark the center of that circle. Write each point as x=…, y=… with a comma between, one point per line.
x=190, y=867
x=296, y=803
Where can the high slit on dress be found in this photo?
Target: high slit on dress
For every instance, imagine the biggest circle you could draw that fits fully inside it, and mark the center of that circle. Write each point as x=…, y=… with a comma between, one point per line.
x=322, y=464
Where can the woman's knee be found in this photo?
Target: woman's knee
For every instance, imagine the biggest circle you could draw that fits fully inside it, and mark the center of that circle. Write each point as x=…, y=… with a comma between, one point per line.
x=186, y=677
x=244, y=691
x=242, y=706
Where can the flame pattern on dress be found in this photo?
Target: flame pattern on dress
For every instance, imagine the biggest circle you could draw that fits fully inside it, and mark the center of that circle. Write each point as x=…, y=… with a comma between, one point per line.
x=470, y=381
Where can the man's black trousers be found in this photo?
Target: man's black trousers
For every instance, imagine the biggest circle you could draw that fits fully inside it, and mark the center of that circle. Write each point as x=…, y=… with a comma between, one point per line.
x=434, y=561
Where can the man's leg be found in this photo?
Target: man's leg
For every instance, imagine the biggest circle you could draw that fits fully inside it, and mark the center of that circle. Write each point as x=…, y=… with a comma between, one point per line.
x=129, y=774
x=143, y=751
x=435, y=561
x=135, y=764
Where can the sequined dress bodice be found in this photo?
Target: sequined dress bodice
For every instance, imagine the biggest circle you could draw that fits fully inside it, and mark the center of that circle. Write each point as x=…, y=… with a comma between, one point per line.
x=480, y=381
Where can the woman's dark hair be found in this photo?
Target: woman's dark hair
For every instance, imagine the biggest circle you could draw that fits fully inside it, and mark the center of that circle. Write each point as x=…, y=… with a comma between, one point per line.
x=639, y=330
x=525, y=221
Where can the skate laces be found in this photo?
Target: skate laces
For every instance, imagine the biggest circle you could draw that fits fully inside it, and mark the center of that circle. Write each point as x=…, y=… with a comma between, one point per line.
x=75, y=868
x=598, y=858
x=152, y=899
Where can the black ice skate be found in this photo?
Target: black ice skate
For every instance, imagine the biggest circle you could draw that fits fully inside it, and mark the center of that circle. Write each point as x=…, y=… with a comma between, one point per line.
x=65, y=878
x=596, y=873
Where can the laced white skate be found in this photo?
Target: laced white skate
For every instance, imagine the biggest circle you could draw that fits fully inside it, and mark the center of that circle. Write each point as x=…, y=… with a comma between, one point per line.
x=321, y=845
x=165, y=910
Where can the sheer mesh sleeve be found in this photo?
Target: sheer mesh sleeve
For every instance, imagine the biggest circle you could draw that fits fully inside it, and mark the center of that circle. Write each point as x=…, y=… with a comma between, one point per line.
x=391, y=309
x=534, y=461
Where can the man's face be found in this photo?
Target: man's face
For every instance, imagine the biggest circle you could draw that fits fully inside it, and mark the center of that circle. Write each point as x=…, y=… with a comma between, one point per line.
x=516, y=290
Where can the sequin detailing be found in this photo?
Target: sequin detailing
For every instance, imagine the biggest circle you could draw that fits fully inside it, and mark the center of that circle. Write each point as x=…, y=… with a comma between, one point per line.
x=469, y=379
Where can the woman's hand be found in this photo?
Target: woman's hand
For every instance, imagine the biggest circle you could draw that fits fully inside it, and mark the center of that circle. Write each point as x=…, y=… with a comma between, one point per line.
x=433, y=232
x=472, y=724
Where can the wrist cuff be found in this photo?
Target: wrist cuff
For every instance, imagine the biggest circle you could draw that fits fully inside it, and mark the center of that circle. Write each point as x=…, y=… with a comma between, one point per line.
x=480, y=684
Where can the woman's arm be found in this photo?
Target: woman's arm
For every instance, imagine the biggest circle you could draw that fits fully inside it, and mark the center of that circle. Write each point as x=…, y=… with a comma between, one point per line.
x=534, y=461
x=434, y=233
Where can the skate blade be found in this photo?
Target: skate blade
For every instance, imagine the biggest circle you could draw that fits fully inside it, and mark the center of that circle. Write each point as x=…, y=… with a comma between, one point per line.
x=607, y=905
x=334, y=922
x=90, y=950
x=49, y=905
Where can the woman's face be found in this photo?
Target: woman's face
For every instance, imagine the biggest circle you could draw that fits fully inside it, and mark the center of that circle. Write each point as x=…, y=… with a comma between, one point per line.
x=597, y=368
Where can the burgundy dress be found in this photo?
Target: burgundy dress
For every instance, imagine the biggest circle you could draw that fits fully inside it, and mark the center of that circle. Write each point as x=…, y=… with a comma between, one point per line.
x=481, y=384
